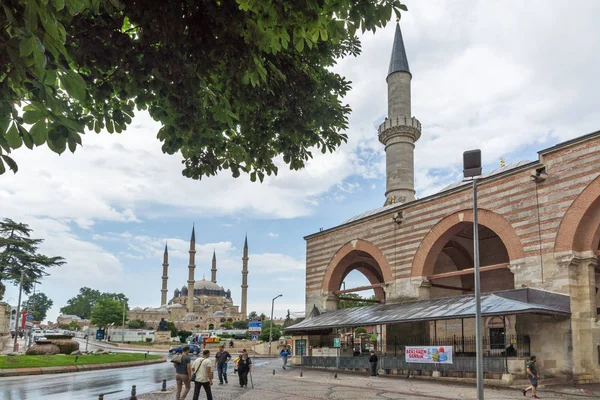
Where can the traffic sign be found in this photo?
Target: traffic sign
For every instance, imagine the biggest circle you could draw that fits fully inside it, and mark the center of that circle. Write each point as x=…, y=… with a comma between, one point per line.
x=254, y=338
x=255, y=326
x=337, y=342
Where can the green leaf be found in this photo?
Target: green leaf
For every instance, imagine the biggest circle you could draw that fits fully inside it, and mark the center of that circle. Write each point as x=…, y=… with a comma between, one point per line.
x=13, y=138
x=26, y=46
x=27, y=139
x=58, y=145
x=324, y=35
x=2, y=168
x=58, y=4
x=299, y=45
x=72, y=145
x=75, y=6
x=74, y=85
x=31, y=117
x=39, y=133
x=11, y=164
x=31, y=18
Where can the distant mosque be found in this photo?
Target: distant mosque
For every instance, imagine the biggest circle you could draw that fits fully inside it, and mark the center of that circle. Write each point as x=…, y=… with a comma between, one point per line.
x=208, y=306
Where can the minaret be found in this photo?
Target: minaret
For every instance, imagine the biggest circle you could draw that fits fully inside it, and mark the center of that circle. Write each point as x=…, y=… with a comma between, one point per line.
x=244, y=310
x=399, y=132
x=165, y=276
x=191, y=267
x=213, y=271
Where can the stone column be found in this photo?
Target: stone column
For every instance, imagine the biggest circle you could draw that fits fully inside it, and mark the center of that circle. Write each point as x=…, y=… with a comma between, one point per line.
x=582, y=289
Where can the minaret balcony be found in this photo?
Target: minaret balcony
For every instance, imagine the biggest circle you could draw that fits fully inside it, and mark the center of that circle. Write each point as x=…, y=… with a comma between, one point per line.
x=399, y=126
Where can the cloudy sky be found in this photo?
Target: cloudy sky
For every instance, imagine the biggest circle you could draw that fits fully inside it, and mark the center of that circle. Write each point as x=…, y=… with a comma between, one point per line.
x=509, y=77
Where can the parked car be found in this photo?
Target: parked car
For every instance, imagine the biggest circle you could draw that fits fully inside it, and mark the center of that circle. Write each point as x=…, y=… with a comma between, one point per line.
x=194, y=349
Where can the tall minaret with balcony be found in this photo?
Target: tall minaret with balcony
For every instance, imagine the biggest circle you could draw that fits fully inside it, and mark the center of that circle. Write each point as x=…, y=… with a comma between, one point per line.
x=191, y=267
x=165, y=277
x=400, y=130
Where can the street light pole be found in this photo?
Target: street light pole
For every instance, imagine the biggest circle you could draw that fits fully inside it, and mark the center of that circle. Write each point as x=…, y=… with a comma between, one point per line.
x=123, y=326
x=472, y=169
x=271, y=324
x=17, y=317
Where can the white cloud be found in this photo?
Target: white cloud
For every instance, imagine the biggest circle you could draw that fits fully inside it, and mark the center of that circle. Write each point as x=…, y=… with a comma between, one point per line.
x=273, y=235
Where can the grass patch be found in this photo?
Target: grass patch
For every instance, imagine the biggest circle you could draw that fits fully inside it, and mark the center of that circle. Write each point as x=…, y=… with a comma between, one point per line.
x=62, y=360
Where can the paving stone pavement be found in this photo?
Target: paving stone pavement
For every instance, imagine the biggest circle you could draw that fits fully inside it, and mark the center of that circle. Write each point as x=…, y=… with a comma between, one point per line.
x=319, y=384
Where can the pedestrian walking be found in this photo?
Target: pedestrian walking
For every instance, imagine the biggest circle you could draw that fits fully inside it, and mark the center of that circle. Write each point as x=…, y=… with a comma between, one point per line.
x=236, y=361
x=183, y=372
x=533, y=377
x=373, y=360
x=221, y=359
x=244, y=367
x=284, y=353
x=202, y=375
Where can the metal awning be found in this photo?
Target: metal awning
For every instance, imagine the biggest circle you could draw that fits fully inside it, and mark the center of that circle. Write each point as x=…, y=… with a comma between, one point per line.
x=508, y=302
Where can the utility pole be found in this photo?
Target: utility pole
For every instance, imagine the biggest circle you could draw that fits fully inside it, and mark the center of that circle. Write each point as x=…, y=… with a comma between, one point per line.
x=18, y=311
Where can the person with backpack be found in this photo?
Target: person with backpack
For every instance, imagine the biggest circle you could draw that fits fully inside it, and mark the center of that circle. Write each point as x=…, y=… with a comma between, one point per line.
x=284, y=353
x=183, y=372
x=244, y=367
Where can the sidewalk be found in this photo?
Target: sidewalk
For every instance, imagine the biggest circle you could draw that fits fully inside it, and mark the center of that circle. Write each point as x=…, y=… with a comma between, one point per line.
x=318, y=384
x=8, y=346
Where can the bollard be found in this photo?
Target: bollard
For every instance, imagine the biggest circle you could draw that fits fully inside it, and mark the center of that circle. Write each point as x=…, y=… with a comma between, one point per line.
x=101, y=397
x=273, y=372
x=335, y=376
x=300, y=374
x=164, y=386
x=76, y=358
x=146, y=355
x=133, y=396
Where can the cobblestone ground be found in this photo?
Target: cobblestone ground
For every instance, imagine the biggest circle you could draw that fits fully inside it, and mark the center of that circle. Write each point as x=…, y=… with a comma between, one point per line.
x=316, y=384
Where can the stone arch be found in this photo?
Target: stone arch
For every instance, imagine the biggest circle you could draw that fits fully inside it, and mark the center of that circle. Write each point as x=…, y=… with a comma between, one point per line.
x=579, y=229
x=337, y=268
x=433, y=243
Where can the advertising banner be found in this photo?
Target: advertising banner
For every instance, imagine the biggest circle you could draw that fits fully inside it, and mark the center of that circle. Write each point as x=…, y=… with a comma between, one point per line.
x=429, y=354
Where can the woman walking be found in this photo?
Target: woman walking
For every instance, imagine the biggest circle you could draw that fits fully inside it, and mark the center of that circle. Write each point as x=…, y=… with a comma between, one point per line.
x=244, y=367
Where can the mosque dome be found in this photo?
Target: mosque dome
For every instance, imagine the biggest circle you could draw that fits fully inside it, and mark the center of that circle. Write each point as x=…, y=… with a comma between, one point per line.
x=209, y=285
x=184, y=291
x=219, y=314
x=136, y=309
x=162, y=310
x=175, y=305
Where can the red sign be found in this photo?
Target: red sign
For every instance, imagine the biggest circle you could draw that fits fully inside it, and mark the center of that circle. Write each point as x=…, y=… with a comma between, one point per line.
x=23, y=319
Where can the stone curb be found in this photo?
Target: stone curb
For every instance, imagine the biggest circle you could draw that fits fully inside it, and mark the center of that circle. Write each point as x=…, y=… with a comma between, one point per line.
x=75, y=368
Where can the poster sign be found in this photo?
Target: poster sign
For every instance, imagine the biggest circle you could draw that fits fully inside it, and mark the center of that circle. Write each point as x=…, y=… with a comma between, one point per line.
x=429, y=354
x=337, y=342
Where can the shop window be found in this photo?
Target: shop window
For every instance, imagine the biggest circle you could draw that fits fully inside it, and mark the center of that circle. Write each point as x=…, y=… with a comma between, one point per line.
x=300, y=348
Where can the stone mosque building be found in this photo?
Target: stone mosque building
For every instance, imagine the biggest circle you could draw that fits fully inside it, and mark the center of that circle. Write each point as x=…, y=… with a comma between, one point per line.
x=539, y=242
x=200, y=304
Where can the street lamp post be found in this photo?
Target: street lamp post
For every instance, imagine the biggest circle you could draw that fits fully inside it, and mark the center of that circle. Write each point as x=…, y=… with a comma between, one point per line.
x=271, y=324
x=472, y=169
x=123, y=326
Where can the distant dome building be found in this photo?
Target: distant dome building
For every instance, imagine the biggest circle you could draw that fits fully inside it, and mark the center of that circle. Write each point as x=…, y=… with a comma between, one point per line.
x=201, y=304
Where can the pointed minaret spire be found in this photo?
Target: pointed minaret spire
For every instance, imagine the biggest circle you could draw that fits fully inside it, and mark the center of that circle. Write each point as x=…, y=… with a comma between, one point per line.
x=398, y=61
x=165, y=277
x=400, y=130
x=213, y=271
x=244, y=310
x=191, y=267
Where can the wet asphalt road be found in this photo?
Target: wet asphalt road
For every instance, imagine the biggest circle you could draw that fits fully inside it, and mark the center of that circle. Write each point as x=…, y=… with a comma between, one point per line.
x=88, y=385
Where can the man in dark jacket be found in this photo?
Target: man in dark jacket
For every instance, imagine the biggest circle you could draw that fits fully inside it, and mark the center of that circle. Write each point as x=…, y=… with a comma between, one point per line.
x=373, y=360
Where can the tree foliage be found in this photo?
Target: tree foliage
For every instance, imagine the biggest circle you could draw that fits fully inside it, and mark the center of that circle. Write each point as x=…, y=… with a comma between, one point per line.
x=355, y=302
x=227, y=325
x=171, y=326
x=234, y=84
x=82, y=304
x=252, y=315
x=19, y=252
x=264, y=331
x=136, y=324
x=38, y=305
x=240, y=325
x=183, y=335
x=107, y=311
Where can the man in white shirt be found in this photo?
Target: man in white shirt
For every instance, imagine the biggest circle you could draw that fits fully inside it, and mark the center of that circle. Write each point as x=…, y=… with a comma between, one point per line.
x=202, y=367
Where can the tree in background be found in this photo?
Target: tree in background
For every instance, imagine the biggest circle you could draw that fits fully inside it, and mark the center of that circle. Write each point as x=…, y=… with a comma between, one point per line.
x=264, y=331
x=136, y=324
x=19, y=252
x=171, y=326
x=82, y=304
x=252, y=315
x=38, y=304
x=107, y=311
x=239, y=87
x=263, y=317
x=355, y=302
x=358, y=331
x=227, y=325
x=240, y=325
x=183, y=335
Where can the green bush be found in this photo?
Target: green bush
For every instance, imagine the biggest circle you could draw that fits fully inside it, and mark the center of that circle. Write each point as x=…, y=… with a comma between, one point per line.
x=148, y=339
x=183, y=335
